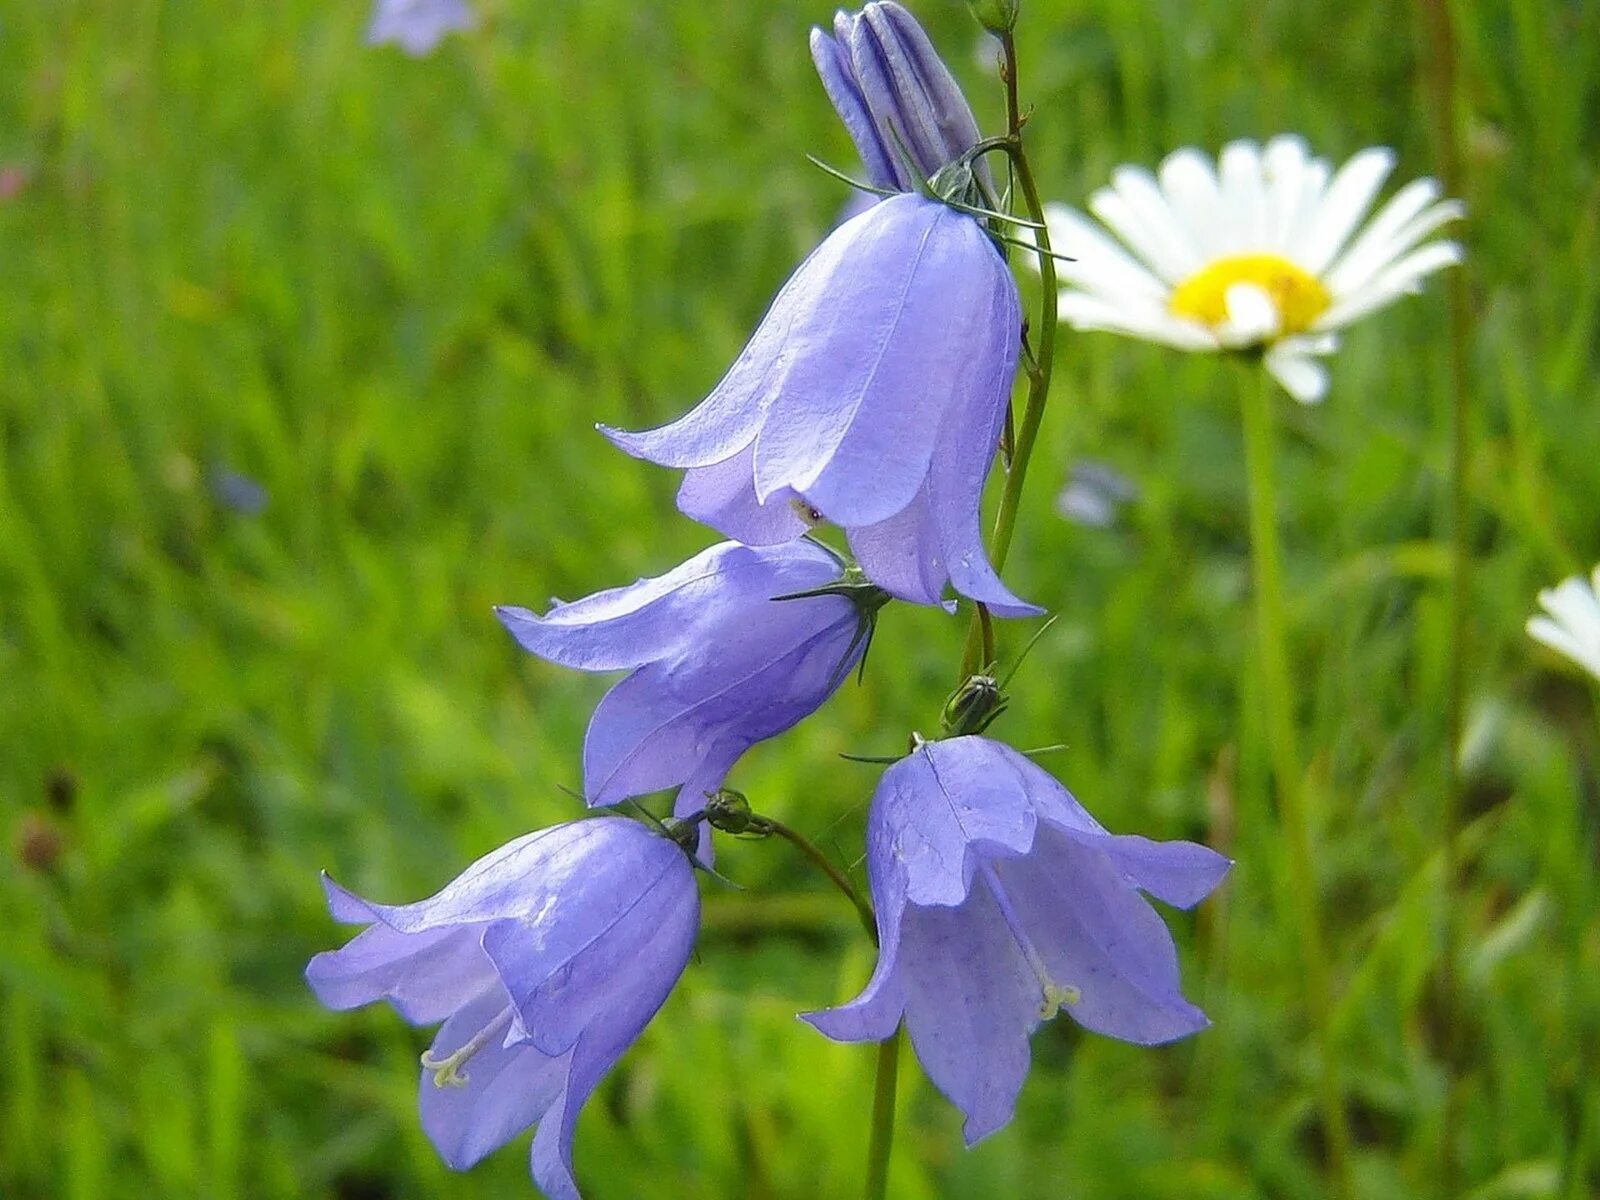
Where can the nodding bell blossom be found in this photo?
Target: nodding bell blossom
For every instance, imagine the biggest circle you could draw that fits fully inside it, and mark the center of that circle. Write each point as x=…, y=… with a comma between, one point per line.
x=417, y=26
x=1572, y=627
x=895, y=95
x=1001, y=902
x=871, y=395
x=1259, y=252
x=544, y=960
x=716, y=662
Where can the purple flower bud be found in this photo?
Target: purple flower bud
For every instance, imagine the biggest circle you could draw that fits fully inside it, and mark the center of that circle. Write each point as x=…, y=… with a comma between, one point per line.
x=872, y=394
x=716, y=663
x=893, y=94
x=417, y=26
x=544, y=960
x=1001, y=902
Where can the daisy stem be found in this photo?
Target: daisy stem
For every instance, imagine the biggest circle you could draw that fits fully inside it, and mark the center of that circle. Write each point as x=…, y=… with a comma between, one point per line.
x=1039, y=370
x=1283, y=744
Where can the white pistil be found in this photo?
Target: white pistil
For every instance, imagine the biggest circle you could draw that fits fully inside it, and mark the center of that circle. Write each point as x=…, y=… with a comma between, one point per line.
x=446, y=1071
x=1055, y=995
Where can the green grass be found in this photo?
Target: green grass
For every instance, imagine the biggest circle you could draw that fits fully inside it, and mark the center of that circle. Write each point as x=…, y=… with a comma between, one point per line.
x=399, y=293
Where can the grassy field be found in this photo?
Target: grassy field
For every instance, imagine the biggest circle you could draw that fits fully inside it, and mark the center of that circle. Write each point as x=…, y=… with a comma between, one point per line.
x=397, y=294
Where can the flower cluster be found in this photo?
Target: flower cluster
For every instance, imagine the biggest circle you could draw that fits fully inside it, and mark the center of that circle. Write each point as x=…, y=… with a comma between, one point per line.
x=871, y=399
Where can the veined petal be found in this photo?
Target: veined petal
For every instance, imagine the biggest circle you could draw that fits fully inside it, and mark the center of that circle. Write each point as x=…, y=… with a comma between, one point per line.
x=507, y=1089
x=1177, y=873
x=627, y=626
x=971, y=1000
x=833, y=65
x=723, y=496
x=940, y=804
x=1100, y=937
x=903, y=555
x=426, y=976
x=563, y=971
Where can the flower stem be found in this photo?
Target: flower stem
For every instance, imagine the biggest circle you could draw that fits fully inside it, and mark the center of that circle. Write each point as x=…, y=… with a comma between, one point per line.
x=823, y=863
x=1278, y=702
x=979, y=648
x=882, y=1140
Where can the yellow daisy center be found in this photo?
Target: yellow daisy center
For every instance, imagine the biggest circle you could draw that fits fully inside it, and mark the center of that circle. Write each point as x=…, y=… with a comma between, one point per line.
x=1298, y=296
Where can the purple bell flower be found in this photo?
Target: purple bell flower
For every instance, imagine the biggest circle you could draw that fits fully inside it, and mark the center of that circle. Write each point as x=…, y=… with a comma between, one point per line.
x=872, y=394
x=1001, y=902
x=716, y=661
x=417, y=26
x=894, y=95
x=544, y=960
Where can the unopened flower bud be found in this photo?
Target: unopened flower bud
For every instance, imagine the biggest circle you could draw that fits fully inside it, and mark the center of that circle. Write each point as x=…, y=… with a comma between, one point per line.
x=973, y=706
x=997, y=16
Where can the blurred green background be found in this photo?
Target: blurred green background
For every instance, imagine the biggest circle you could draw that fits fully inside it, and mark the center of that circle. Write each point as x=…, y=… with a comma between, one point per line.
x=396, y=294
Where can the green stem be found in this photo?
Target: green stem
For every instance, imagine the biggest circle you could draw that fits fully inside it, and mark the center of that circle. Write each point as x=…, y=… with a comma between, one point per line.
x=1278, y=703
x=882, y=1140
x=1439, y=34
x=823, y=863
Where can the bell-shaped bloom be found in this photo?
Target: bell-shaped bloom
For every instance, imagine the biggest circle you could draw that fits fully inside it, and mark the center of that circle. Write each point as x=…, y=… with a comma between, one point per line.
x=1001, y=902
x=1257, y=251
x=716, y=662
x=417, y=26
x=544, y=960
x=871, y=395
x=1570, y=623
x=894, y=95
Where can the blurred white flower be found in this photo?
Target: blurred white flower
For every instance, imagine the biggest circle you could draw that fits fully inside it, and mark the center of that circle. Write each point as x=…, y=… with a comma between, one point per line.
x=417, y=26
x=1254, y=252
x=1573, y=624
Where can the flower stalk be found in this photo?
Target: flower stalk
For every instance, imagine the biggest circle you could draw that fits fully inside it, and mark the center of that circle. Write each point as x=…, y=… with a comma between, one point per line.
x=1283, y=745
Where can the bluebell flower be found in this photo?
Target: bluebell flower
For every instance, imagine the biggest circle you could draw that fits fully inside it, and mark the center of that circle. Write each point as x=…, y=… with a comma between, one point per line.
x=545, y=960
x=417, y=26
x=716, y=662
x=871, y=395
x=894, y=95
x=1001, y=902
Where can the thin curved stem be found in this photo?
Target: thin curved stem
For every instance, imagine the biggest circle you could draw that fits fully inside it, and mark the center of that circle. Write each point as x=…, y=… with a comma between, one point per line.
x=823, y=863
x=1283, y=743
x=882, y=1138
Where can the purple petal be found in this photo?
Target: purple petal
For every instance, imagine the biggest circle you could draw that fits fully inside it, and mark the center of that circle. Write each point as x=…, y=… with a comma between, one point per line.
x=838, y=80
x=1178, y=873
x=723, y=496
x=971, y=1002
x=647, y=620
x=426, y=976
x=654, y=729
x=1098, y=935
x=417, y=25
x=565, y=967
x=507, y=1088
x=941, y=804
x=903, y=555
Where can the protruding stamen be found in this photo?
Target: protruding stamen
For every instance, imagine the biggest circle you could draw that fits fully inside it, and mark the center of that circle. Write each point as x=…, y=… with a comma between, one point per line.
x=446, y=1071
x=1055, y=995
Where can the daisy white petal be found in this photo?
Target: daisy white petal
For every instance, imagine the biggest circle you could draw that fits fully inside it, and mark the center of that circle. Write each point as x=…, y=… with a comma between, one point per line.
x=1572, y=627
x=1262, y=250
x=1349, y=197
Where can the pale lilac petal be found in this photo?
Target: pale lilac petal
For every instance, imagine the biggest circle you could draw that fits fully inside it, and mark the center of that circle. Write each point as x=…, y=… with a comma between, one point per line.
x=417, y=26
x=507, y=1088
x=723, y=496
x=838, y=80
x=426, y=976
x=971, y=1001
x=903, y=555
x=1098, y=935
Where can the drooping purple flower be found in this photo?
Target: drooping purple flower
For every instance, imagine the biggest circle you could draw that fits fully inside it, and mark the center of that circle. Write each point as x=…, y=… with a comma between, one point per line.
x=894, y=94
x=872, y=394
x=1000, y=902
x=716, y=661
x=417, y=26
x=544, y=960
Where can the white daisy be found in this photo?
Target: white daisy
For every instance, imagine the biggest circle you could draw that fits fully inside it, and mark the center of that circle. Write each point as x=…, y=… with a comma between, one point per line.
x=1573, y=626
x=1254, y=252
